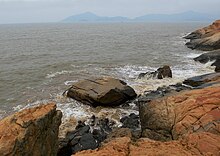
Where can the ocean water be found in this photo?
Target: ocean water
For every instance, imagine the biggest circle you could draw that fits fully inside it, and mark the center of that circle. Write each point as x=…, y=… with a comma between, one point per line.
x=38, y=62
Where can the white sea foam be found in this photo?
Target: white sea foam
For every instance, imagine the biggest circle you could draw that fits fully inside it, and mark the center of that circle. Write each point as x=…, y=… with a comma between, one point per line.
x=193, y=55
x=180, y=73
x=52, y=75
x=69, y=83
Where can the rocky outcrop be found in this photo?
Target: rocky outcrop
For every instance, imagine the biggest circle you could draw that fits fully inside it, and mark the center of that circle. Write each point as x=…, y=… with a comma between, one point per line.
x=32, y=131
x=210, y=56
x=193, y=144
x=207, y=38
x=177, y=115
x=101, y=92
x=160, y=73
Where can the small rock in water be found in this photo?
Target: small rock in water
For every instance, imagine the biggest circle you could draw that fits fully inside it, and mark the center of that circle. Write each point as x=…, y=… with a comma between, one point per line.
x=160, y=73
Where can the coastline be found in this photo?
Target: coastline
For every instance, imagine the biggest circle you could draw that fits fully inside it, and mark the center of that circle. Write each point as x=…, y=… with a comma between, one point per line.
x=181, y=126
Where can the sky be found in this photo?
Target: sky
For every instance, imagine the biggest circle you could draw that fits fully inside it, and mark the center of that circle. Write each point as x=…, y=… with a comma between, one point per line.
x=32, y=11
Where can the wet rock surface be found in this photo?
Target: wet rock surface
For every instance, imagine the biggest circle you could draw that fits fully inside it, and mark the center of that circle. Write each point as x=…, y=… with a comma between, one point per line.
x=31, y=131
x=203, y=80
x=194, y=144
x=161, y=92
x=90, y=134
x=101, y=92
x=160, y=73
x=131, y=121
x=210, y=56
x=206, y=39
x=85, y=136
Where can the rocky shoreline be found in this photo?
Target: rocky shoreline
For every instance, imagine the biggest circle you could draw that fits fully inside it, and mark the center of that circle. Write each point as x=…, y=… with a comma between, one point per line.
x=181, y=119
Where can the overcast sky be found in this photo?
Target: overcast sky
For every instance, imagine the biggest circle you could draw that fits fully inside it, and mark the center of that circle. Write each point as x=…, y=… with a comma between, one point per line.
x=28, y=11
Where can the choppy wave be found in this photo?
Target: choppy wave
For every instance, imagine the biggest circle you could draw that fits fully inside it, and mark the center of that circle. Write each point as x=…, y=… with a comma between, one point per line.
x=52, y=75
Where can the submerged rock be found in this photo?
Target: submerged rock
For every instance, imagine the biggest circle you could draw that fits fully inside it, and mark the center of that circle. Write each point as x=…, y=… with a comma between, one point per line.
x=207, y=38
x=31, y=131
x=101, y=92
x=161, y=73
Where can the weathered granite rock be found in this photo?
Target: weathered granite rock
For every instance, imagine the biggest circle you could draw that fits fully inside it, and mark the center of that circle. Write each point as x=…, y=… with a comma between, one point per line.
x=187, y=112
x=194, y=144
x=101, y=92
x=32, y=131
x=207, y=38
x=160, y=73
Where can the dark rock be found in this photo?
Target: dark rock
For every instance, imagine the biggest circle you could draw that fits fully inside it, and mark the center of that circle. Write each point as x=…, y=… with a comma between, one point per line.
x=104, y=124
x=86, y=142
x=164, y=72
x=161, y=73
x=161, y=92
x=131, y=121
x=210, y=56
x=217, y=65
x=99, y=135
x=101, y=92
x=193, y=35
x=203, y=80
x=85, y=137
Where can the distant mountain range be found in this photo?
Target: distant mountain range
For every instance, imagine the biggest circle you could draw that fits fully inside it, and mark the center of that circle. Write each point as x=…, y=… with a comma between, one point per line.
x=185, y=16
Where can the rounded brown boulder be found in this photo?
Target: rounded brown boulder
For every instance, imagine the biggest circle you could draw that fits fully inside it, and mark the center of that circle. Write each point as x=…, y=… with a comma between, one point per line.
x=104, y=91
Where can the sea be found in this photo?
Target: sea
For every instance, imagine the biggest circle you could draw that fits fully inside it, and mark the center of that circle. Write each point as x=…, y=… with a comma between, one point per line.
x=38, y=62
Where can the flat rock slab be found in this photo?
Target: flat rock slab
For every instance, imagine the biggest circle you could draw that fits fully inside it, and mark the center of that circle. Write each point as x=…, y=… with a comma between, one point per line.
x=101, y=92
x=204, y=80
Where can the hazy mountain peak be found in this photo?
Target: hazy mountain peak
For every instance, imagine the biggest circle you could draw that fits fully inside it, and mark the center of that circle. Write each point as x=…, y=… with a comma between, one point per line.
x=178, y=17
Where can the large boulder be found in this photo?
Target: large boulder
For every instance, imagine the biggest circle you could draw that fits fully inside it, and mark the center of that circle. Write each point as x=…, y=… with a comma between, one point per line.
x=187, y=112
x=207, y=38
x=32, y=131
x=101, y=92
